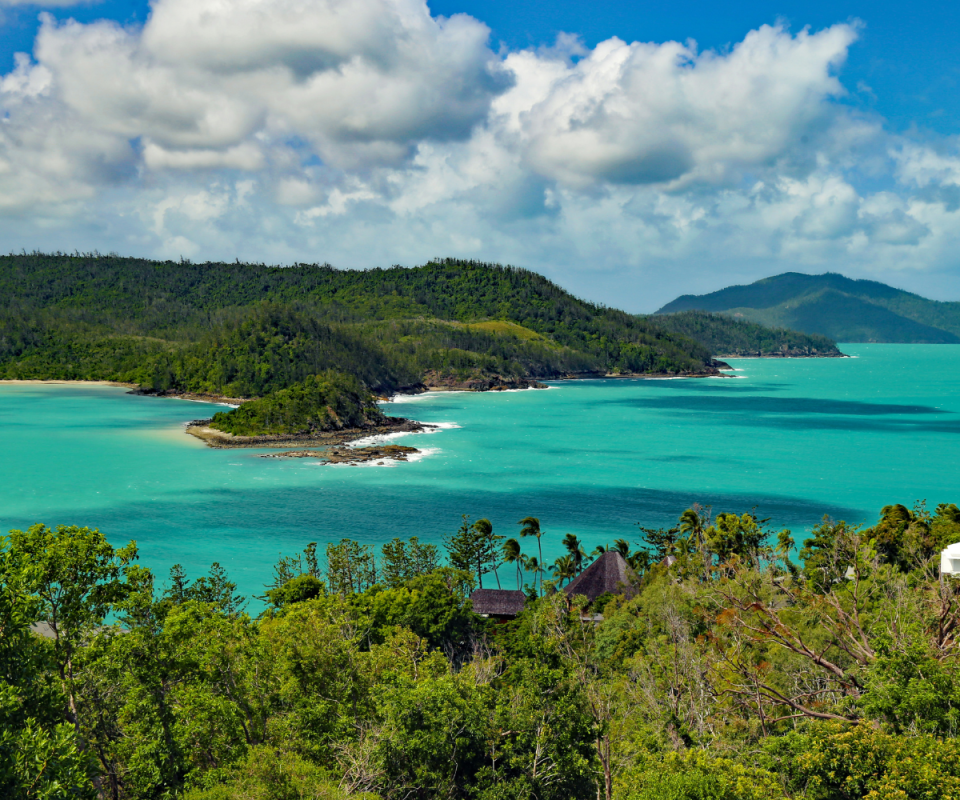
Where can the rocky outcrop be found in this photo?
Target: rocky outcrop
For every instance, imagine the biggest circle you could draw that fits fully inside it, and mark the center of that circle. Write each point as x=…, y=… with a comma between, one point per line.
x=478, y=383
x=351, y=455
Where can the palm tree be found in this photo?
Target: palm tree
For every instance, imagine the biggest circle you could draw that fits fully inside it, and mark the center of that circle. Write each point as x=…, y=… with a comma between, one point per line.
x=564, y=568
x=622, y=546
x=512, y=555
x=693, y=523
x=530, y=564
x=531, y=527
x=575, y=548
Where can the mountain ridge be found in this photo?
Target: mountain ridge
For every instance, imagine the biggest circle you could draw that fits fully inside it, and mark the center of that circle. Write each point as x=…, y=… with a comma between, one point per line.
x=832, y=305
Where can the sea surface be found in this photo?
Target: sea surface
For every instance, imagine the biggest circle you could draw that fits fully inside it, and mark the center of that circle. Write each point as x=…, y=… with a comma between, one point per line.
x=793, y=439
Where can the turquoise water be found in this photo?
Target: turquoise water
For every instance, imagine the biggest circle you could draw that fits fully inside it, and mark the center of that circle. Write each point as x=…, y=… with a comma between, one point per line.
x=795, y=438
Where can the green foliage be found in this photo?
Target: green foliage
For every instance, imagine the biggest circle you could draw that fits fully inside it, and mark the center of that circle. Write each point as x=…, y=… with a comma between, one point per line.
x=696, y=776
x=296, y=590
x=829, y=553
x=435, y=607
x=351, y=567
x=733, y=535
x=835, y=761
x=725, y=336
x=724, y=675
x=330, y=401
x=474, y=548
x=403, y=561
x=272, y=774
x=246, y=330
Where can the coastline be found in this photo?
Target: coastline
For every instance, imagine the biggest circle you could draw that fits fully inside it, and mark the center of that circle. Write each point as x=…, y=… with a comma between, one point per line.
x=39, y=382
x=780, y=355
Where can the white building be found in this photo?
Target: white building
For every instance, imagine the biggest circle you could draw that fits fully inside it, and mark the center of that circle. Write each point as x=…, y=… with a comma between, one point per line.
x=950, y=560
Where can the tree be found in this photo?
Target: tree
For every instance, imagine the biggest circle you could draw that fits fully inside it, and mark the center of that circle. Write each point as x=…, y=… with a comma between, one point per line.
x=564, y=568
x=532, y=564
x=490, y=555
x=351, y=567
x=402, y=561
x=513, y=555
x=473, y=548
x=575, y=549
x=664, y=542
x=531, y=527
x=40, y=756
x=739, y=536
x=829, y=553
x=76, y=578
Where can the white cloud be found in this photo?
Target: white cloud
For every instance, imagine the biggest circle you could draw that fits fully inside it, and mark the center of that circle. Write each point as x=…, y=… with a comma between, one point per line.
x=363, y=81
x=666, y=114
x=368, y=132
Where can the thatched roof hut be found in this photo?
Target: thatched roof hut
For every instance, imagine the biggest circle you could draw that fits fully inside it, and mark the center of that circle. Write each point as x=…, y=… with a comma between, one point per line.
x=609, y=573
x=498, y=603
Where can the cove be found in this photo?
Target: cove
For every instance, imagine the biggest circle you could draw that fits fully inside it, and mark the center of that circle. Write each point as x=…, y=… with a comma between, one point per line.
x=793, y=438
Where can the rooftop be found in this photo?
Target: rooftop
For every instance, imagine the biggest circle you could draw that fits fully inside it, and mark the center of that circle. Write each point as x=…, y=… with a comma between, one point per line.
x=498, y=602
x=609, y=573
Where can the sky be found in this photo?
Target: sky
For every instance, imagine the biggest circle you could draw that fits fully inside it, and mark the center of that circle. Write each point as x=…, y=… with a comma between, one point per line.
x=631, y=152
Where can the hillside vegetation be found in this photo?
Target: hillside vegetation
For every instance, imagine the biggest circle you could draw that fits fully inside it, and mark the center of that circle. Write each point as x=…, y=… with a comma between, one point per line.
x=246, y=330
x=745, y=670
x=725, y=336
x=327, y=402
x=831, y=305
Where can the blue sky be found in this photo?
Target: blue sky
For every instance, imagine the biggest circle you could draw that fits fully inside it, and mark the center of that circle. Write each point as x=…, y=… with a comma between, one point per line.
x=905, y=66
x=375, y=132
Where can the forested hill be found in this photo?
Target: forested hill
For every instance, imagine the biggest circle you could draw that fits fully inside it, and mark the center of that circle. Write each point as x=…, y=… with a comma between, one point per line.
x=832, y=305
x=247, y=330
x=725, y=336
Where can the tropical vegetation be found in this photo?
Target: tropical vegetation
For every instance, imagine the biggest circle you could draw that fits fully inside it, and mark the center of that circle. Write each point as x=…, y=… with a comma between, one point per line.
x=737, y=663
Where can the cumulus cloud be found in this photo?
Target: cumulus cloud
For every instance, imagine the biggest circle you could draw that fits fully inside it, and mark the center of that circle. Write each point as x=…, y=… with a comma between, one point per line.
x=368, y=132
x=666, y=114
x=363, y=81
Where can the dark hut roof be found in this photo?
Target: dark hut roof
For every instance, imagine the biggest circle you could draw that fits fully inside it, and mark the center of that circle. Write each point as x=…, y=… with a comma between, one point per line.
x=498, y=602
x=609, y=573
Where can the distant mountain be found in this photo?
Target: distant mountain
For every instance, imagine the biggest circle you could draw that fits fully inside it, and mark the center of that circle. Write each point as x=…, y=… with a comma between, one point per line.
x=831, y=305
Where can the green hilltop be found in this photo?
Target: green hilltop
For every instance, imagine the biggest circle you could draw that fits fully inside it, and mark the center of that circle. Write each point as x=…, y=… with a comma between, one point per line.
x=250, y=330
x=832, y=305
x=246, y=330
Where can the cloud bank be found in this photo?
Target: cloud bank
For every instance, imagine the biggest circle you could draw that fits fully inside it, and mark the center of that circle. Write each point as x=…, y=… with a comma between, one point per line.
x=371, y=132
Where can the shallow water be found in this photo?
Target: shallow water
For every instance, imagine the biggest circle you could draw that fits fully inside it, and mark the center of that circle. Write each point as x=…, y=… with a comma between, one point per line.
x=795, y=438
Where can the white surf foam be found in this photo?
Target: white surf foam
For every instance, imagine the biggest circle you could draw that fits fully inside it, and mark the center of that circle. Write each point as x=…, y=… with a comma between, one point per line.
x=381, y=438
x=412, y=458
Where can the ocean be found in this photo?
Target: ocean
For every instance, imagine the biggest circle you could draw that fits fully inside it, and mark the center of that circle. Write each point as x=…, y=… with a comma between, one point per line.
x=791, y=439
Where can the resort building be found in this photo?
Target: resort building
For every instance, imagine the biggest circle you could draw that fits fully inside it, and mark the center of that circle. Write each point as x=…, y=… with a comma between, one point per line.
x=499, y=604
x=609, y=574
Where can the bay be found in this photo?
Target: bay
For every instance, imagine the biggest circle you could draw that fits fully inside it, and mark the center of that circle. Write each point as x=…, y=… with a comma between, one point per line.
x=793, y=439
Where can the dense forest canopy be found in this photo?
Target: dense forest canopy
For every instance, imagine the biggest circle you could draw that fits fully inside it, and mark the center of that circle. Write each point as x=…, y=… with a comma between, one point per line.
x=728, y=667
x=725, y=336
x=247, y=330
x=325, y=402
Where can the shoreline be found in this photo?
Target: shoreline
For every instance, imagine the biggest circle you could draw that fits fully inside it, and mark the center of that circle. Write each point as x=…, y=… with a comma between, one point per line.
x=41, y=382
x=777, y=355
